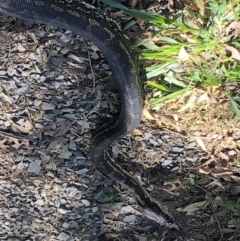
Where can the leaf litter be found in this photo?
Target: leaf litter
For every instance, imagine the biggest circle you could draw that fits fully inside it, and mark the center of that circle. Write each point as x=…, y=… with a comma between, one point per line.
x=48, y=183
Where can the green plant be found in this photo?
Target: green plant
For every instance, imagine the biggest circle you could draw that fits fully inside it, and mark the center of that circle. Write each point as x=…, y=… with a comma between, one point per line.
x=236, y=162
x=229, y=206
x=183, y=55
x=190, y=178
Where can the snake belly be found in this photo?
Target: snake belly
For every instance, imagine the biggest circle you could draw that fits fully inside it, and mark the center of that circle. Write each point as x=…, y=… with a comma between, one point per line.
x=90, y=23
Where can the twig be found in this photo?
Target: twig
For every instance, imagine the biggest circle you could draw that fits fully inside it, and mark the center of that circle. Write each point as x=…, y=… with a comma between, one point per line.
x=90, y=64
x=215, y=216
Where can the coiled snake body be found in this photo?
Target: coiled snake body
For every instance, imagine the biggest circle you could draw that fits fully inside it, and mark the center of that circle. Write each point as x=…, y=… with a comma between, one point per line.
x=90, y=23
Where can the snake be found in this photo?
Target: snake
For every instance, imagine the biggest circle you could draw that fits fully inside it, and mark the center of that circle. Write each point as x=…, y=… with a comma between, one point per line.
x=94, y=25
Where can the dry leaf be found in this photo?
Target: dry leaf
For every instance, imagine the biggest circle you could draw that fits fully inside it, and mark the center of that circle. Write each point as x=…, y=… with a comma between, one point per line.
x=235, y=190
x=193, y=207
x=28, y=125
x=21, y=166
x=235, y=53
x=199, y=141
x=233, y=29
x=223, y=156
x=183, y=55
x=202, y=98
x=21, y=48
x=227, y=230
x=175, y=117
x=111, y=236
x=218, y=201
x=134, y=3
x=191, y=101
x=234, y=223
x=200, y=4
x=191, y=5
x=21, y=128
x=147, y=114
x=7, y=98
x=203, y=171
x=137, y=132
x=2, y=144
x=215, y=183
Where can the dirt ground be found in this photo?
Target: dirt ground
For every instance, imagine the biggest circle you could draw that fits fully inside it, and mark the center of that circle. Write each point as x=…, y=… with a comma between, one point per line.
x=55, y=89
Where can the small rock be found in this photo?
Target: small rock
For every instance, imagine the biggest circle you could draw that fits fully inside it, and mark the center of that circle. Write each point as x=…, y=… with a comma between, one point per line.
x=37, y=102
x=63, y=237
x=175, y=169
x=153, y=142
x=82, y=171
x=190, y=145
x=35, y=167
x=150, y=188
x=167, y=162
x=39, y=202
x=3, y=72
x=85, y=202
x=177, y=149
x=95, y=209
x=129, y=218
x=48, y=106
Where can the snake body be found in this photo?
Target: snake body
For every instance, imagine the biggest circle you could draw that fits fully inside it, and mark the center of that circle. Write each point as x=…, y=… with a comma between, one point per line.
x=90, y=23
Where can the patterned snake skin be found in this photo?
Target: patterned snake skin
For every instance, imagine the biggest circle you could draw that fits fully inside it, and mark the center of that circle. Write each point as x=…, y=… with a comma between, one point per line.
x=90, y=23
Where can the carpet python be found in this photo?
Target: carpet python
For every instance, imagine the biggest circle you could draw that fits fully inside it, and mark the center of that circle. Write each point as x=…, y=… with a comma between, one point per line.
x=92, y=24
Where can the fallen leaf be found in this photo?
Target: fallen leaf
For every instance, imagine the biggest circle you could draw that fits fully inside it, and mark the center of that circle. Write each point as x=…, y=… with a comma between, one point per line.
x=21, y=128
x=191, y=5
x=200, y=4
x=215, y=183
x=21, y=166
x=2, y=144
x=183, y=55
x=235, y=53
x=147, y=114
x=233, y=29
x=234, y=223
x=193, y=207
x=200, y=142
x=28, y=125
x=223, y=156
x=202, y=98
x=191, y=101
x=16, y=144
x=111, y=236
x=203, y=171
x=218, y=201
x=21, y=48
x=137, y=132
x=7, y=98
x=228, y=230
x=235, y=190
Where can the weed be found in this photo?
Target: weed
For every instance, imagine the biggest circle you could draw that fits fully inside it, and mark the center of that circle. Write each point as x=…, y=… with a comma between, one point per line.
x=229, y=206
x=194, y=49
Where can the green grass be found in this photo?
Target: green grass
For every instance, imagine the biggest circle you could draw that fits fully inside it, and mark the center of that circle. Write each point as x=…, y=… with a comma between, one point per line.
x=183, y=55
x=229, y=206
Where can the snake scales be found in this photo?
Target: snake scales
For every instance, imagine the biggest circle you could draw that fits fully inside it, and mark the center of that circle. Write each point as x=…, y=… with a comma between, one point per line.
x=90, y=23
